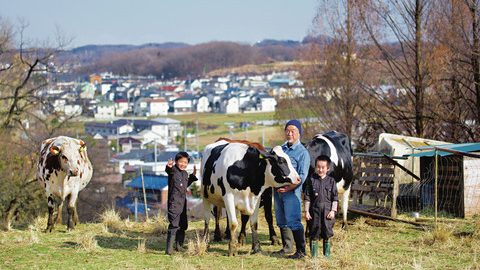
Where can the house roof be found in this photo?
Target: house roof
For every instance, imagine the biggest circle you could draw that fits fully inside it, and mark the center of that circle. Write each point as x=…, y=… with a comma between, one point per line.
x=147, y=155
x=128, y=140
x=153, y=182
x=108, y=125
x=462, y=147
x=166, y=121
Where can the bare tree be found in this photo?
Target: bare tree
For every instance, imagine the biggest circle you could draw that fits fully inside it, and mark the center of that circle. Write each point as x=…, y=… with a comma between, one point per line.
x=399, y=30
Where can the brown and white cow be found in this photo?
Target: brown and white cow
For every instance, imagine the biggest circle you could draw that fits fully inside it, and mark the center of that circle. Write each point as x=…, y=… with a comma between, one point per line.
x=234, y=176
x=63, y=170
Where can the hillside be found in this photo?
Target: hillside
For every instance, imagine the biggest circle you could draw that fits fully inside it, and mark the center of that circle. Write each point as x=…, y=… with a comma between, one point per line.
x=368, y=244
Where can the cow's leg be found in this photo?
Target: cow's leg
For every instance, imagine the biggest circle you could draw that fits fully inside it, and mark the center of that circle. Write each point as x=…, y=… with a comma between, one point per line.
x=72, y=199
x=227, y=230
x=267, y=207
x=52, y=212
x=243, y=234
x=345, y=197
x=59, y=217
x=232, y=215
x=254, y=226
x=206, y=215
x=217, y=235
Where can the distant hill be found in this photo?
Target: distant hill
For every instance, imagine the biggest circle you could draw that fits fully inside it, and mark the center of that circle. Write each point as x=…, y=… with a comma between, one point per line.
x=180, y=60
x=100, y=49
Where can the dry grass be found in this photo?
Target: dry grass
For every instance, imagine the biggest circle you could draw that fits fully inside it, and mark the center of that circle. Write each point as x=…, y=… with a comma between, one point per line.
x=87, y=241
x=197, y=246
x=39, y=223
x=182, y=264
x=111, y=221
x=33, y=239
x=442, y=234
x=141, y=247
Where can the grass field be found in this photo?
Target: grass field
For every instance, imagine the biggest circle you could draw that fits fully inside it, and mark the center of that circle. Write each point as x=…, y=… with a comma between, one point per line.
x=367, y=244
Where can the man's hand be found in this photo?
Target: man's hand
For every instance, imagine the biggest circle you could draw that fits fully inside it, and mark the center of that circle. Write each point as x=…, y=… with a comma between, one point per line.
x=331, y=215
x=170, y=163
x=289, y=187
x=307, y=215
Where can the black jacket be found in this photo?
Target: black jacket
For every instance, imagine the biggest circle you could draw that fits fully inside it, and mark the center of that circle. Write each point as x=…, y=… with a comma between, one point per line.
x=178, y=181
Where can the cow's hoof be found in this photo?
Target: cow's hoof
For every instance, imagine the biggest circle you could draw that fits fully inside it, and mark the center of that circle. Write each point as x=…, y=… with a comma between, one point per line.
x=274, y=240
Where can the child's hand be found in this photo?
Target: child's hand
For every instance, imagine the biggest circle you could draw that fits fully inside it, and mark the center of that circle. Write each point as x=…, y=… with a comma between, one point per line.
x=331, y=215
x=170, y=163
x=194, y=170
x=307, y=215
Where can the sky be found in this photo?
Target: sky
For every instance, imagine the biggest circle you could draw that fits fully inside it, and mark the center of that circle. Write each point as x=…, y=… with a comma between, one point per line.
x=138, y=22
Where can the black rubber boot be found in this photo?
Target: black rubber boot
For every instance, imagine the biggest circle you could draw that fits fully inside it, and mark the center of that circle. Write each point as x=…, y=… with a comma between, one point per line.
x=170, y=242
x=299, y=236
x=179, y=240
x=287, y=242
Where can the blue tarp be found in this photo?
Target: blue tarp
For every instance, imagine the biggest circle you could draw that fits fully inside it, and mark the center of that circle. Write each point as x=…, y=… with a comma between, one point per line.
x=462, y=147
x=153, y=182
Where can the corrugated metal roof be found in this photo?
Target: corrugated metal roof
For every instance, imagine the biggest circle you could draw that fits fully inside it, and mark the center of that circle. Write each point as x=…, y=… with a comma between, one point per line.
x=462, y=147
x=154, y=182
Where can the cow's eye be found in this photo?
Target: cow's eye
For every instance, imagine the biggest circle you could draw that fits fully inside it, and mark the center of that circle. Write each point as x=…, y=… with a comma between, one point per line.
x=65, y=158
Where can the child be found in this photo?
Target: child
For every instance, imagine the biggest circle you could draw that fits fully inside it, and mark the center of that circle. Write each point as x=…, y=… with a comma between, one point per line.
x=178, y=181
x=321, y=202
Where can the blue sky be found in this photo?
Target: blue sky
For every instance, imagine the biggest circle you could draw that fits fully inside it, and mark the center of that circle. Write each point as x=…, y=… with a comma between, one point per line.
x=143, y=21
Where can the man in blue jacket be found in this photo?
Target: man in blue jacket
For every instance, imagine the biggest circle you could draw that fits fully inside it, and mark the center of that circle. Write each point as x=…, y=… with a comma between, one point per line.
x=288, y=200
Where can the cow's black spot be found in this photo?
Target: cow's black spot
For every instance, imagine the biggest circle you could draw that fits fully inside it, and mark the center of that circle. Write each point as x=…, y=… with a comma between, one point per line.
x=248, y=172
x=212, y=189
x=221, y=185
x=52, y=163
x=209, y=167
x=45, y=185
x=47, y=177
x=341, y=143
x=56, y=173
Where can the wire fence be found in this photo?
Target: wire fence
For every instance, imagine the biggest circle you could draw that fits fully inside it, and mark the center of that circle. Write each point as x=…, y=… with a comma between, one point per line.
x=441, y=183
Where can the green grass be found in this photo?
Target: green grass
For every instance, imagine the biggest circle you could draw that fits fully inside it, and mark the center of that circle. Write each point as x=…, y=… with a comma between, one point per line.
x=363, y=246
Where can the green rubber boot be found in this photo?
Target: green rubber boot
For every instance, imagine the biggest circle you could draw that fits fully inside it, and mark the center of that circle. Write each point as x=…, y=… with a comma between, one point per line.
x=314, y=248
x=326, y=248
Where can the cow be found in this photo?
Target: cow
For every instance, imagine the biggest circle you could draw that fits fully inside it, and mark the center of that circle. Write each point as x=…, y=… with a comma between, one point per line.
x=63, y=170
x=337, y=146
x=234, y=176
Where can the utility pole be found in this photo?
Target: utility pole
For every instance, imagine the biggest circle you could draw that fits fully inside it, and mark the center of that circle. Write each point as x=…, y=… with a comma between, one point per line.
x=196, y=134
x=185, y=139
x=155, y=154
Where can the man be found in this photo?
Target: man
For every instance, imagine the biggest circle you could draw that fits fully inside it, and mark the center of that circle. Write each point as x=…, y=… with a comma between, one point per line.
x=288, y=201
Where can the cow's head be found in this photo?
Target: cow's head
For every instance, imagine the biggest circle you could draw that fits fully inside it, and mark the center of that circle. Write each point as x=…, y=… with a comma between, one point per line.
x=280, y=167
x=69, y=154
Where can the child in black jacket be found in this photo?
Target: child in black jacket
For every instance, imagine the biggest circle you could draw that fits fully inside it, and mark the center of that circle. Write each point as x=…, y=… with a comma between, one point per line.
x=178, y=181
x=321, y=203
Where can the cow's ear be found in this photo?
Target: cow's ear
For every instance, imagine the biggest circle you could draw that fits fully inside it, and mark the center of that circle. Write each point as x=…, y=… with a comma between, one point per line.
x=263, y=154
x=54, y=150
x=83, y=145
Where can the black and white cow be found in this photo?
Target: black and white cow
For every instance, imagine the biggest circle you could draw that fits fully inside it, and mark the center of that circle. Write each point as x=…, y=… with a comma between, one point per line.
x=63, y=170
x=337, y=146
x=234, y=176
